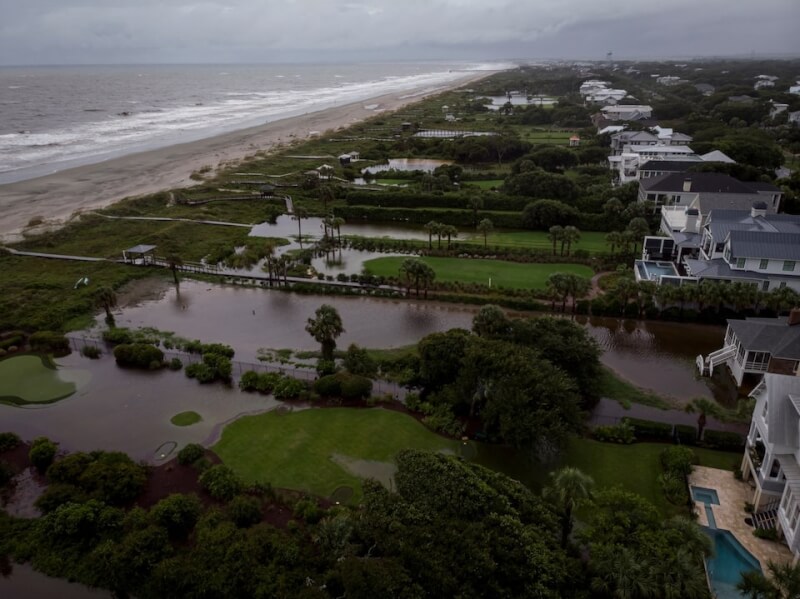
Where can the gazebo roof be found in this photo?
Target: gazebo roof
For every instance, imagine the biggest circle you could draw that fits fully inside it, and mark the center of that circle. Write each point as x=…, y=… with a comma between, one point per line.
x=325, y=167
x=140, y=249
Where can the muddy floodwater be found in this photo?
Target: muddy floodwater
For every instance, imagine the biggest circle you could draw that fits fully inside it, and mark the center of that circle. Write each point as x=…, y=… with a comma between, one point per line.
x=26, y=583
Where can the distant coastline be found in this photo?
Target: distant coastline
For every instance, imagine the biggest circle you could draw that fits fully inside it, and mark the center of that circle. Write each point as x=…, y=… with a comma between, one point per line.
x=55, y=197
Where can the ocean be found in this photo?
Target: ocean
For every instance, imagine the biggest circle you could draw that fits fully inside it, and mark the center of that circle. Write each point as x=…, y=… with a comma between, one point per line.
x=52, y=118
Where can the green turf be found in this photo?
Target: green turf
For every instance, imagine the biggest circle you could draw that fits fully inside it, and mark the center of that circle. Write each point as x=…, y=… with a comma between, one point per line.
x=513, y=275
x=591, y=241
x=31, y=379
x=616, y=388
x=634, y=467
x=186, y=418
x=294, y=450
x=489, y=184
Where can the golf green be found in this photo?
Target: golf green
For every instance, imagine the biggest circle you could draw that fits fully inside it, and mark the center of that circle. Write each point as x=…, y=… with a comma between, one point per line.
x=322, y=450
x=32, y=379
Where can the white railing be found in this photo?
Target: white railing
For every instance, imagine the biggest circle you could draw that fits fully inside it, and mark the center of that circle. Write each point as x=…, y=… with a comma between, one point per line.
x=719, y=357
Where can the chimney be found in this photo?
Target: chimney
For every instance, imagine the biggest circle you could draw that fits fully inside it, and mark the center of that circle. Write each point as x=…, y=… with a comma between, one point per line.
x=687, y=184
x=794, y=317
x=692, y=216
x=758, y=209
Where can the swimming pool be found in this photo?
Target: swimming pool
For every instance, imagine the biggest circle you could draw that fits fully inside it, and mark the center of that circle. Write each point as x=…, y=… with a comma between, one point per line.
x=730, y=561
x=704, y=495
x=653, y=271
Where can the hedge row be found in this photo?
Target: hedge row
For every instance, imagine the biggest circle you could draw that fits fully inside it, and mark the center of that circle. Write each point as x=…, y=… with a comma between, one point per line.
x=723, y=440
x=459, y=218
x=650, y=429
x=405, y=199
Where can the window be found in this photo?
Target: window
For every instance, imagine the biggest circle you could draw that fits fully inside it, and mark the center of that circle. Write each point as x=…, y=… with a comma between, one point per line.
x=788, y=265
x=740, y=262
x=763, y=264
x=765, y=286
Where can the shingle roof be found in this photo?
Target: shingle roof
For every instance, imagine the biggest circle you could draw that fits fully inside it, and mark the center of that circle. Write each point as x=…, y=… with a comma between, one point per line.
x=701, y=183
x=774, y=336
x=668, y=166
x=765, y=244
x=761, y=186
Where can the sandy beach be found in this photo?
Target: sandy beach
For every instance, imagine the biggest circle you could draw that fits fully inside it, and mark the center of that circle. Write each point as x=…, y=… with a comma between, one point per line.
x=55, y=198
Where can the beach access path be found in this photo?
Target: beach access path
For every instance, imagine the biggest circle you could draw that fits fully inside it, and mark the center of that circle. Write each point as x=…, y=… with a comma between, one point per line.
x=54, y=198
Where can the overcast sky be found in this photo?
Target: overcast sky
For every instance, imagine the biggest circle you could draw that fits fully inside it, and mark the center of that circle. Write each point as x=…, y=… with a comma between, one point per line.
x=153, y=31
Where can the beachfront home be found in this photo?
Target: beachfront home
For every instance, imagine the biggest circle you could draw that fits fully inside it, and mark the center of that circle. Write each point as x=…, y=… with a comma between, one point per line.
x=706, y=191
x=627, y=112
x=755, y=346
x=771, y=459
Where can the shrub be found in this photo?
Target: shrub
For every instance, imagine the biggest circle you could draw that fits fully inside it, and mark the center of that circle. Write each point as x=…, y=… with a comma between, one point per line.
x=177, y=513
x=770, y=534
x=726, y=441
x=138, y=355
x=191, y=453
x=249, y=381
x=686, y=434
x=117, y=336
x=358, y=361
x=90, y=351
x=57, y=495
x=328, y=386
x=49, y=342
x=308, y=510
x=356, y=387
x=288, y=388
x=220, y=364
x=200, y=371
x=175, y=364
x=42, y=453
x=674, y=487
x=618, y=433
x=267, y=381
x=244, y=511
x=6, y=473
x=9, y=441
x=650, y=429
x=221, y=482
x=678, y=460
x=219, y=349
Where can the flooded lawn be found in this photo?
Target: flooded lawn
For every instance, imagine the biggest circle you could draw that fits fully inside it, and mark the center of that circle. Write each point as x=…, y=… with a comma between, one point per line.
x=427, y=165
x=31, y=380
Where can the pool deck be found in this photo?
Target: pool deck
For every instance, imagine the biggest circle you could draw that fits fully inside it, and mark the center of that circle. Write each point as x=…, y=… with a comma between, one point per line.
x=730, y=514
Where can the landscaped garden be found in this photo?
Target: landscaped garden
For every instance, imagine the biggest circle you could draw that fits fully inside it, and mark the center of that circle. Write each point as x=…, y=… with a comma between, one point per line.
x=513, y=275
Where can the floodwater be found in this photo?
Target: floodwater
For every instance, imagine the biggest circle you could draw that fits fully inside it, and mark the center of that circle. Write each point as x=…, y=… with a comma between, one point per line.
x=26, y=583
x=427, y=165
x=348, y=261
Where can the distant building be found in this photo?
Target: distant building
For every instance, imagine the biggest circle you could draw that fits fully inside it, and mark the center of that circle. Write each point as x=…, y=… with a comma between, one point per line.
x=705, y=88
x=795, y=89
x=632, y=112
x=574, y=141
x=794, y=118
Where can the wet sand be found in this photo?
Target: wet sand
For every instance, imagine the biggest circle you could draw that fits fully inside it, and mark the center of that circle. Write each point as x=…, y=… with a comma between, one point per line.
x=56, y=197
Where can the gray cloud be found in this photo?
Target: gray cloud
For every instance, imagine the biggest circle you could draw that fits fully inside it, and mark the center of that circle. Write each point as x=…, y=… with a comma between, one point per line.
x=58, y=31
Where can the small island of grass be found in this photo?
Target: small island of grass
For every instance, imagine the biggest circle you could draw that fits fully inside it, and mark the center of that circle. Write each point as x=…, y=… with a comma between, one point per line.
x=186, y=418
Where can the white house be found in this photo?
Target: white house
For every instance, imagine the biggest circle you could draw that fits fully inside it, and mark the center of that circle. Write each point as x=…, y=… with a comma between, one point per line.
x=795, y=89
x=627, y=112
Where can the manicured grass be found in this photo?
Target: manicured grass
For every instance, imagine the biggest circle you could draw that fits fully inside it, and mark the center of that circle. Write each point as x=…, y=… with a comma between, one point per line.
x=616, y=388
x=186, y=418
x=295, y=450
x=31, y=379
x=489, y=184
x=591, y=241
x=634, y=467
x=514, y=275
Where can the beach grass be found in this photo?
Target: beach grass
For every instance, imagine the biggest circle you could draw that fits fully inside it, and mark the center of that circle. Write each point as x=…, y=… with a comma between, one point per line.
x=319, y=450
x=512, y=275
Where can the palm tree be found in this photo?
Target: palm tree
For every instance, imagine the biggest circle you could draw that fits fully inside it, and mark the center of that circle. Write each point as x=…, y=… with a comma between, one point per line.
x=571, y=235
x=783, y=298
x=474, y=203
x=299, y=215
x=555, y=235
x=628, y=240
x=614, y=239
x=325, y=327
x=485, y=227
x=783, y=582
x=337, y=223
x=449, y=231
x=174, y=262
x=579, y=288
x=106, y=298
x=409, y=270
x=624, y=290
x=704, y=408
x=426, y=276
x=432, y=227
x=559, y=286
x=638, y=228
x=622, y=574
x=567, y=489
x=326, y=194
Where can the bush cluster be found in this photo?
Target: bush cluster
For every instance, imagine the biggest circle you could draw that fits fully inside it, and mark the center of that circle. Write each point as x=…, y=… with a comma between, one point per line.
x=726, y=441
x=263, y=382
x=49, y=342
x=618, y=433
x=221, y=482
x=191, y=453
x=649, y=429
x=213, y=367
x=344, y=385
x=677, y=463
x=139, y=355
x=9, y=441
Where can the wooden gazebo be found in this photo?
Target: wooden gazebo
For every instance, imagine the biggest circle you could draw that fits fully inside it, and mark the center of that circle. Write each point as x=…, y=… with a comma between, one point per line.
x=139, y=254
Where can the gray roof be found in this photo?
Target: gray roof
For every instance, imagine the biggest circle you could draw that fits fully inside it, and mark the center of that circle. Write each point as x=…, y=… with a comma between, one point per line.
x=769, y=335
x=761, y=186
x=668, y=166
x=721, y=222
x=728, y=201
x=765, y=244
x=687, y=240
x=701, y=183
x=140, y=249
x=719, y=269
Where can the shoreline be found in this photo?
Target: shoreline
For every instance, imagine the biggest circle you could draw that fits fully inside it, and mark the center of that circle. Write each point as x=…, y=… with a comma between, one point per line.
x=55, y=198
